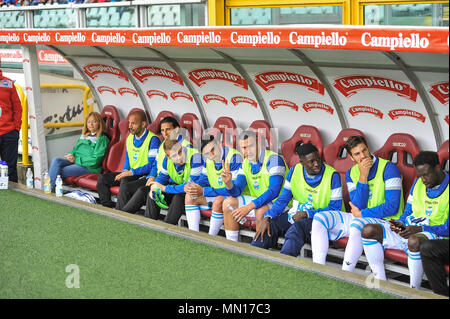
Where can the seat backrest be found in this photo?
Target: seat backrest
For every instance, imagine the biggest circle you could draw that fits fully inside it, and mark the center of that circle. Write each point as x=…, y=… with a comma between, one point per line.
x=139, y=109
x=401, y=148
x=443, y=156
x=227, y=127
x=336, y=155
x=116, y=158
x=111, y=117
x=154, y=126
x=191, y=123
x=265, y=134
x=304, y=134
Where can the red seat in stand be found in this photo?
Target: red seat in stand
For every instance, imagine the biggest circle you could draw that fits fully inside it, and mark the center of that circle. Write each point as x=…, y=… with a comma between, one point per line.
x=443, y=155
x=264, y=133
x=191, y=123
x=227, y=127
x=336, y=156
x=304, y=134
x=401, y=148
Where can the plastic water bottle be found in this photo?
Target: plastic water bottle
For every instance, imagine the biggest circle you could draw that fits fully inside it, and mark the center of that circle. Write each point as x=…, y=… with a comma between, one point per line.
x=47, y=185
x=58, y=186
x=190, y=182
x=3, y=175
x=243, y=219
x=29, y=178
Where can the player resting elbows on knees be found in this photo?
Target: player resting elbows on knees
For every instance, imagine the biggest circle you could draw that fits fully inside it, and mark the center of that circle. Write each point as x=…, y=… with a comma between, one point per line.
x=264, y=173
x=425, y=218
x=315, y=187
x=211, y=190
x=180, y=165
x=375, y=189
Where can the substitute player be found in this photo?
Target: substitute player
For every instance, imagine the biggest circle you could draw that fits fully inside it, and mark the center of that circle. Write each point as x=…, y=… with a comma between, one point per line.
x=375, y=187
x=315, y=187
x=210, y=192
x=425, y=218
x=179, y=166
x=264, y=173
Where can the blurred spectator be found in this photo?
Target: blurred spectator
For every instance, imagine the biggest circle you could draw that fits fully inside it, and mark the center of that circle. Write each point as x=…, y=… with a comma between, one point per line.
x=71, y=1
x=22, y=3
x=36, y=2
x=8, y=3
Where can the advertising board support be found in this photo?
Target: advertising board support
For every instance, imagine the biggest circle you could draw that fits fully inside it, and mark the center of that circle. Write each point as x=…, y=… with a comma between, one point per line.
x=35, y=118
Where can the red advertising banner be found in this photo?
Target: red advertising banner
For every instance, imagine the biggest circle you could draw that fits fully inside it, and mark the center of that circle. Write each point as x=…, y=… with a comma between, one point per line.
x=243, y=99
x=355, y=110
x=151, y=93
x=123, y=91
x=268, y=80
x=104, y=88
x=176, y=95
x=201, y=76
x=440, y=92
x=317, y=105
x=93, y=70
x=349, y=85
x=144, y=72
x=394, y=114
x=214, y=97
x=274, y=104
x=385, y=38
x=44, y=56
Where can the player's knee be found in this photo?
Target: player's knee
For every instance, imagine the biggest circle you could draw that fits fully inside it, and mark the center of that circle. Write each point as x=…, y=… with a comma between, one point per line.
x=188, y=200
x=320, y=220
x=357, y=225
x=217, y=204
x=372, y=231
x=414, y=243
x=230, y=201
x=427, y=249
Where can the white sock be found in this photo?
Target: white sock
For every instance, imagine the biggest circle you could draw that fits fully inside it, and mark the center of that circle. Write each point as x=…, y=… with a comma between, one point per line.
x=193, y=217
x=375, y=256
x=415, y=269
x=353, y=250
x=232, y=234
x=215, y=223
x=319, y=241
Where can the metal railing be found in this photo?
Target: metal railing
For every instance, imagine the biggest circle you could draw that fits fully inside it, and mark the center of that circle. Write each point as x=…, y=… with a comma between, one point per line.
x=107, y=15
x=87, y=108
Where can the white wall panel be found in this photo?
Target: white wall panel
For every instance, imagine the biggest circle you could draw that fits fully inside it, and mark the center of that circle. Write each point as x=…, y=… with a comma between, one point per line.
x=112, y=85
x=294, y=97
x=380, y=103
x=222, y=91
x=163, y=88
x=436, y=85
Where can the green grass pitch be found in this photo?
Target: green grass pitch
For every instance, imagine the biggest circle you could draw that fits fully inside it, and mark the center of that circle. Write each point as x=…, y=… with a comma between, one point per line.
x=39, y=239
